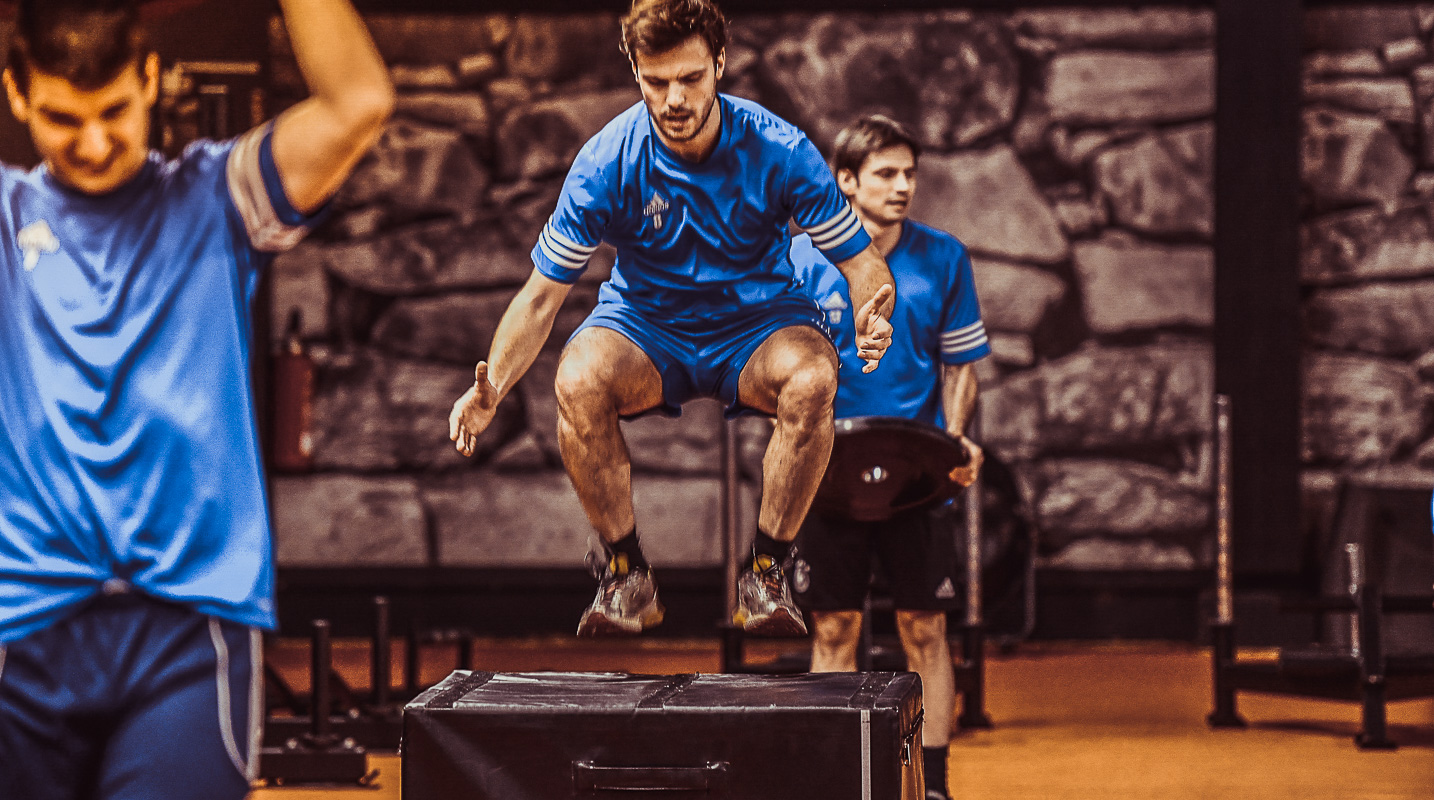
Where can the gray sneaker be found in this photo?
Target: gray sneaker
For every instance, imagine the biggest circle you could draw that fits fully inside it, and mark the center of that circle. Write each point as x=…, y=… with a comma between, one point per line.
x=764, y=601
x=626, y=602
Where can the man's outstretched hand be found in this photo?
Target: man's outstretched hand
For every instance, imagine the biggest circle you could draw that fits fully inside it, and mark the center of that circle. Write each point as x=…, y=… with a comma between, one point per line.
x=873, y=332
x=473, y=411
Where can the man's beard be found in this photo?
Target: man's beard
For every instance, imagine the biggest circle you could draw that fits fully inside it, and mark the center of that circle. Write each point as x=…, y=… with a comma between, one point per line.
x=657, y=118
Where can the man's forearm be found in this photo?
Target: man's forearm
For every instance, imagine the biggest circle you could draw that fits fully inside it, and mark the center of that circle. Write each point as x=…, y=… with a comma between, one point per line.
x=336, y=56
x=523, y=331
x=959, y=390
x=865, y=273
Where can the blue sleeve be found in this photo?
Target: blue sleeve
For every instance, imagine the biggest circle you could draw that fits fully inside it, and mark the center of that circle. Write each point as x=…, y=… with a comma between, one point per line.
x=963, y=335
x=257, y=192
x=578, y=224
x=283, y=208
x=819, y=207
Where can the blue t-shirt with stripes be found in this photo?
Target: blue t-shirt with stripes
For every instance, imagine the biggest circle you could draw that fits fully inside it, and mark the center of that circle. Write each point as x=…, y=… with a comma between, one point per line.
x=127, y=428
x=696, y=240
x=937, y=320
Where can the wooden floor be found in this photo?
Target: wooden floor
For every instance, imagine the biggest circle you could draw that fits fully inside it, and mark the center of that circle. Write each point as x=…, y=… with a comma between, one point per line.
x=1107, y=722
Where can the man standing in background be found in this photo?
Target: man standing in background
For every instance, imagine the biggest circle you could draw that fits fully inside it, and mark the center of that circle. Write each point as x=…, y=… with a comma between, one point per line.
x=927, y=374
x=135, y=552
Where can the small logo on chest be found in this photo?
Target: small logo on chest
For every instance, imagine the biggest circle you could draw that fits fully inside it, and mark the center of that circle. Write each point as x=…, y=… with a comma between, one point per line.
x=834, y=305
x=36, y=239
x=655, y=208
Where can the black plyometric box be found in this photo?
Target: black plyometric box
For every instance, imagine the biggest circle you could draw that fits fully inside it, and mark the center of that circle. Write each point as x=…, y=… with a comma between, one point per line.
x=556, y=735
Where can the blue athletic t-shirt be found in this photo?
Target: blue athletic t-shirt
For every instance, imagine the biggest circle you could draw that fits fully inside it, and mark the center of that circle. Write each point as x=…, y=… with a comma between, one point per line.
x=696, y=240
x=937, y=319
x=127, y=429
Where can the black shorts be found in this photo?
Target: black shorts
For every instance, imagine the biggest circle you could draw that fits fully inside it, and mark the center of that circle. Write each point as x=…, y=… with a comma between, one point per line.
x=915, y=552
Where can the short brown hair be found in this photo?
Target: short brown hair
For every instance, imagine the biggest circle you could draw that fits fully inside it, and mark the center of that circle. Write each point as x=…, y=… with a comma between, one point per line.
x=654, y=26
x=870, y=134
x=88, y=44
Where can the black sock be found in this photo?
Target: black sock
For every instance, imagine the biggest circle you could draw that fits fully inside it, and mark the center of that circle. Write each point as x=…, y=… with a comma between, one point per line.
x=630, y=547
x=765, y=545
x=934, y=759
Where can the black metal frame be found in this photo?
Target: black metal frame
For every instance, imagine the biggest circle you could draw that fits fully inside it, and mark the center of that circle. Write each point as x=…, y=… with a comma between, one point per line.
x=1363, y=672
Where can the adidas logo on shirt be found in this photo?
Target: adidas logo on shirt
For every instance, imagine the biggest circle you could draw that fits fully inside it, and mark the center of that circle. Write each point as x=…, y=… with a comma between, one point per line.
x=834, y=305
x=946, y=590
x=36, y=239
x=655, y=208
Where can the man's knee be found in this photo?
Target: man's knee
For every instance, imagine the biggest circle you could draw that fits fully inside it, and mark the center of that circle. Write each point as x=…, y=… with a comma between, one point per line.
x=584, y=385
x=921, y=630
x=836, y=630
x=809, y=390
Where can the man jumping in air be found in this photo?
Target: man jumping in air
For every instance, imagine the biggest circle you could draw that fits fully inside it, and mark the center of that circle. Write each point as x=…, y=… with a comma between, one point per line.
x=695, y=191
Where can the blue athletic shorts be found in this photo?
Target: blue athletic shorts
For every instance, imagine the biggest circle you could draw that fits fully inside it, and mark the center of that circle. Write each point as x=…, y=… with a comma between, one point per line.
x=706, y=361
x=131, y=698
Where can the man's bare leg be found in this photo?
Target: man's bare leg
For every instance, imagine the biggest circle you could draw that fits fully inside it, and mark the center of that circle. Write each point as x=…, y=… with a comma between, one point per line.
x=793, y=376
x=923, y=638
x=602, y=376
x=835, y=637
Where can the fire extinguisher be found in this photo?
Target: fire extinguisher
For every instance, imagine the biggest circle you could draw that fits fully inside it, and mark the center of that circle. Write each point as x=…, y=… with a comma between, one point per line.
x=293, y=443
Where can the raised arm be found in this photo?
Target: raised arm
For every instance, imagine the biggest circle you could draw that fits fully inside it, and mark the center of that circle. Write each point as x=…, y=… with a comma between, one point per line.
x=318, y=141
x=873, y=293
x=524, y=328
x=959, y=390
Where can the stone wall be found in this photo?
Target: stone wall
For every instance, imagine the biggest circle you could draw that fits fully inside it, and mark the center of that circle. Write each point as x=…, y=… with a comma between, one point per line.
x=1070, y=149
x=1367, y=247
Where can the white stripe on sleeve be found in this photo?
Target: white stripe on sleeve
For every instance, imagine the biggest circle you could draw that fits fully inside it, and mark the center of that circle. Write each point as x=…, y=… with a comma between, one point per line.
x=963, y=339
x=836, y=231
x=564, y=251
x=267, y=232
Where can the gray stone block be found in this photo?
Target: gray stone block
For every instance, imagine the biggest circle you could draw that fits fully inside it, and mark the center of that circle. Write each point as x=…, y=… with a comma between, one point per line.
x=1014, y=297
x=1102, y=397
x=1422, y=79
x=1353, y=27
x=1368, y=244
x=540, y=140
x=689, y=444
x=1402, y=54
x=1347, y=159
x=374, y=413
x=1107, y=86
x=348, y=521
x=1114, y=498
x=457, y=328
x=952, y=78
x=466, y=112
x=990, y=202
x=1133, y=28
x=417, y=170
x=436, y=38
x=1131, y=285
x=486, y=519
x=421, y=258
x=423, y=76
x=1389, y=99
x=1162, y=184
x=1359, y=410
x=1345, y=62
x=556, y=48
x=1012, y=349
x=1387, y=319
x=1101, y=553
